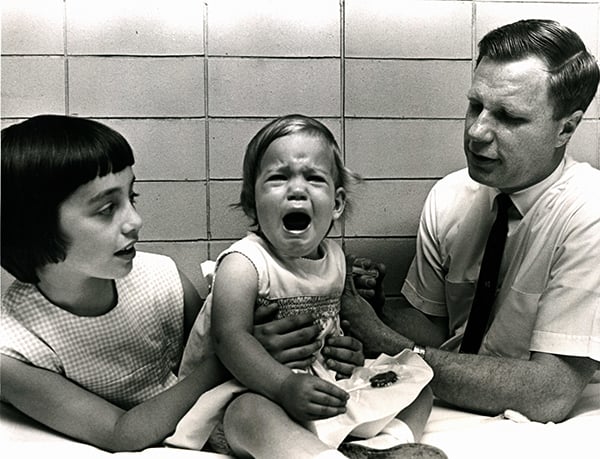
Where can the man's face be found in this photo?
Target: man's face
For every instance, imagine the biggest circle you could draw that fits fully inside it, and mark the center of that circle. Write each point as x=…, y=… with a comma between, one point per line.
x=510, y=137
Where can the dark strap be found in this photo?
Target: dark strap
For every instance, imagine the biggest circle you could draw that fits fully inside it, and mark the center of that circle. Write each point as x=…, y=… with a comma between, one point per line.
x=487, y=282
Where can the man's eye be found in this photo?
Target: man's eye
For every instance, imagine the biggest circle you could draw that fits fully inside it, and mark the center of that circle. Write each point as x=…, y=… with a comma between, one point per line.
x=510, y=119
x=475, y=107
x=133, y=197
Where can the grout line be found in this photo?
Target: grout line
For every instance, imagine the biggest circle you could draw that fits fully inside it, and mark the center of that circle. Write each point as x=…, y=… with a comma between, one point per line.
x=206, y=128
x=66, y=59
x=343, y=101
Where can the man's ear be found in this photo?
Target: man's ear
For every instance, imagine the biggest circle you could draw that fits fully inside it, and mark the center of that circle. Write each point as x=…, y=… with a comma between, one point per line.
x=339, y=203
x=568, y=125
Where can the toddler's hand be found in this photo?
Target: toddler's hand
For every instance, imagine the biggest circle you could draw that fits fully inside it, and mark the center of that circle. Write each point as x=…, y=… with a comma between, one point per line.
x=307, y=398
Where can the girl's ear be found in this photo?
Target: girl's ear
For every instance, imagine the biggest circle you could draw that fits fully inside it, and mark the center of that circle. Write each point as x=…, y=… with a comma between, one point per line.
x=568, y=126
x=339, y=203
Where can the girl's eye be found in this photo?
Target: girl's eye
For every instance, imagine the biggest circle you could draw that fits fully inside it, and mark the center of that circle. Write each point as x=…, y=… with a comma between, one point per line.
x=107, y=210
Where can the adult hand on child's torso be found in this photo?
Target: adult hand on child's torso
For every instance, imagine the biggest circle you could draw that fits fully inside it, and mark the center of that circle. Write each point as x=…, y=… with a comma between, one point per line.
x=343, y=354
x=291, y=340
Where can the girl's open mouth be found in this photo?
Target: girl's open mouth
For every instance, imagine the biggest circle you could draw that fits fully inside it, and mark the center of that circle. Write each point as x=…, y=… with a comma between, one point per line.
x=127, y=251
x=296, y=221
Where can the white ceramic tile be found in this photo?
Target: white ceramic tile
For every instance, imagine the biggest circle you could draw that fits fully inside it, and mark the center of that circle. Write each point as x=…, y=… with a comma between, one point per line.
x=268, y=28
x=32, y=85
x=386, y=88
x=585, y=144
x=172, y=210
x=419, y=29
x=404, y=148
x=171, y=149
x=388, y=208
x=32, y=27
x=273, y=87
x=226, y=222
x=154, y=27
x=162, y=87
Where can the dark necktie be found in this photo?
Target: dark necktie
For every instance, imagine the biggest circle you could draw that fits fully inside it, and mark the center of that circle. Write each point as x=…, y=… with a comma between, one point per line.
x=485, y=293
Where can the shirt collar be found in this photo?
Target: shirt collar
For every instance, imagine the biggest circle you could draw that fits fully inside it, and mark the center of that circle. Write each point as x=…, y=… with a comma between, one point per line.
x=523, y=200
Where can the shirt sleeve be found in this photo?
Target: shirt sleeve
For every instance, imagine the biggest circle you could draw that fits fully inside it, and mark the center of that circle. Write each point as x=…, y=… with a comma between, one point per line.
x=424, y=286
x=568, y=320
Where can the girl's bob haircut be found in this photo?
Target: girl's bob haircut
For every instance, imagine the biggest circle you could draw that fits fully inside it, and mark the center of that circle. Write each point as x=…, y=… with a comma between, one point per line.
x=44, y=160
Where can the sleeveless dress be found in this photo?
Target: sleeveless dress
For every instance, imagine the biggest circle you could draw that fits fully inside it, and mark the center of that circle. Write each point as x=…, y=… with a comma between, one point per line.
x=125, y=356
x=297, y=285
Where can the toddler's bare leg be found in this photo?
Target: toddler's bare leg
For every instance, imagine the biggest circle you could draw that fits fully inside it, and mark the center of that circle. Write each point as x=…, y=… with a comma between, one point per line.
x=257, y=427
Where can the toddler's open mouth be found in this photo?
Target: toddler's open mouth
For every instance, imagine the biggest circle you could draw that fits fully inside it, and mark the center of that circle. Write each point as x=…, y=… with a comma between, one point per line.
x=296, y=221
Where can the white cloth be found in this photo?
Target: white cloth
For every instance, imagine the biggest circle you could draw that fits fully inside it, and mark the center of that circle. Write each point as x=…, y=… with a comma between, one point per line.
x=126, y=355
x=549, y=297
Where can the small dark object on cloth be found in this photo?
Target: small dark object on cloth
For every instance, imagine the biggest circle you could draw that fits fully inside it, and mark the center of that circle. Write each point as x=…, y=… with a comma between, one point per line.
x=384, y=379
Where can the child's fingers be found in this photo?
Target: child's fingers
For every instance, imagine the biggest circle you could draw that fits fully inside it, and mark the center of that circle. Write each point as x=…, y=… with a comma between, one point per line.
x=330, y=394
x=317, y=411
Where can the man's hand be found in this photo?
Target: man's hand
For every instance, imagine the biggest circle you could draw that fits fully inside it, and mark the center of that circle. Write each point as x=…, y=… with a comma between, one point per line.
x=343, y=353
x=307, y=398
x=368, y=278
x=365, y=324
x=291, y=341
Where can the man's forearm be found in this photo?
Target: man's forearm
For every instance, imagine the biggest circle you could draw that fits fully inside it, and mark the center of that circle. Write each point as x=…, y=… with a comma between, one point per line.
x=410, y=322
x=544, y=388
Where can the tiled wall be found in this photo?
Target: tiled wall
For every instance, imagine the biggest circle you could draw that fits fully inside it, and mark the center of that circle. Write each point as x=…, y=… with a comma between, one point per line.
x=189, y=82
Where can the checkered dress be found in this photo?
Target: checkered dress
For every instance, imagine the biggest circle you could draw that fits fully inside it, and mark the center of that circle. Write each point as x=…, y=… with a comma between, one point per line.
x=126, y=355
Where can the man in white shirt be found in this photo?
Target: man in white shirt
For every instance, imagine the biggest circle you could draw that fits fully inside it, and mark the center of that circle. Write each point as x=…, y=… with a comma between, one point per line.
x=541, y=343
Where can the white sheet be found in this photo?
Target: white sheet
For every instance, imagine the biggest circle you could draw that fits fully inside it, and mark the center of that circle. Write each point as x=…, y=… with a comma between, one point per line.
x=459, y=434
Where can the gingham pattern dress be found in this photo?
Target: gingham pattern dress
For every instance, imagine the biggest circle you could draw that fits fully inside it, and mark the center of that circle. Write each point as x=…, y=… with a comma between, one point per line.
x=126, y=355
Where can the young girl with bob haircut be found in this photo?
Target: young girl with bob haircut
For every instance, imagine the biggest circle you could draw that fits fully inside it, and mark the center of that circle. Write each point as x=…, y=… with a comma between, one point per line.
x=92, y=332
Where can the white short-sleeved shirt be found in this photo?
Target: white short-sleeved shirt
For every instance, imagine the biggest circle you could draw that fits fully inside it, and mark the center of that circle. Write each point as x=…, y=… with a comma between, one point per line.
x=126, y=355
x=549, y=290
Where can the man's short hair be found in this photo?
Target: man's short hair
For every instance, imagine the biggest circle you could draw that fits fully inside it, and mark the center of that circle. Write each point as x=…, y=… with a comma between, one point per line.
x=44, y=160
x=573, y=71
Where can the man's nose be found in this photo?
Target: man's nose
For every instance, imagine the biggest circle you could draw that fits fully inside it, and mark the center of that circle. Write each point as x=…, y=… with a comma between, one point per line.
x=480, y=129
